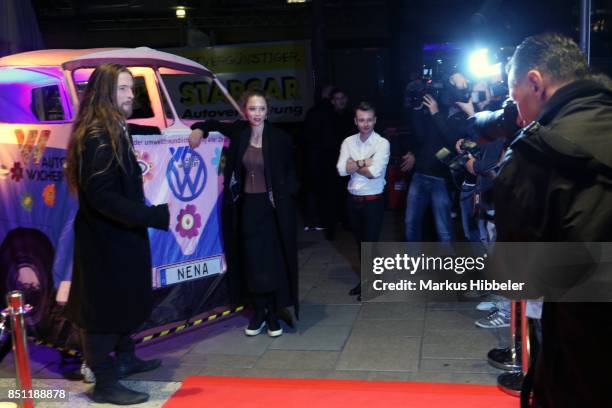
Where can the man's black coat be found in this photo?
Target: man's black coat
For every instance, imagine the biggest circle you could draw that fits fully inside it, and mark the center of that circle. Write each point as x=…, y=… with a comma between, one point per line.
x=556, y=185
x=111, y=281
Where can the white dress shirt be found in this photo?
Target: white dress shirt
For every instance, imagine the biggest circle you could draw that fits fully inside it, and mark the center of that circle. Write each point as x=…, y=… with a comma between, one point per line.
x=376, y=148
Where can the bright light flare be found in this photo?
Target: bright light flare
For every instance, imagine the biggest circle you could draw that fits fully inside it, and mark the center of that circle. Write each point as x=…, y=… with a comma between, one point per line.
x=479, y=64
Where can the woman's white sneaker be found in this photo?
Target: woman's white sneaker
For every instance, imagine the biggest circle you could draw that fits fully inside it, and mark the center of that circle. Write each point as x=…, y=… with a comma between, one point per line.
x=274, y=328
x=253, y=330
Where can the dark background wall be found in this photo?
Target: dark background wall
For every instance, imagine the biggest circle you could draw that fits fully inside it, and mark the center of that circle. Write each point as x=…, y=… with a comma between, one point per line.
x=368, y=47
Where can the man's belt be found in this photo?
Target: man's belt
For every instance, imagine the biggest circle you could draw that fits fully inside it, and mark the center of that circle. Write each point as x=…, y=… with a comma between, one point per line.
x=371, y=197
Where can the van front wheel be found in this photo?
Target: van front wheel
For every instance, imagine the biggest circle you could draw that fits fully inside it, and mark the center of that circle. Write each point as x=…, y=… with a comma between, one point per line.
x=26, y=260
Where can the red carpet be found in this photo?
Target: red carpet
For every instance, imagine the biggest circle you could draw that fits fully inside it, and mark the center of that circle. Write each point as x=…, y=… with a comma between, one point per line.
x=234, y=392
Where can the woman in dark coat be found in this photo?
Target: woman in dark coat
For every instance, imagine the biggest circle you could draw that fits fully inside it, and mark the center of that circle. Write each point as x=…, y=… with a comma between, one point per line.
x=111, y=293
x=259, y=212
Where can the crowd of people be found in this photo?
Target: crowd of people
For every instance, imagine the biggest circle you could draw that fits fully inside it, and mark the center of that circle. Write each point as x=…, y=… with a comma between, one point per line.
x=549, y=182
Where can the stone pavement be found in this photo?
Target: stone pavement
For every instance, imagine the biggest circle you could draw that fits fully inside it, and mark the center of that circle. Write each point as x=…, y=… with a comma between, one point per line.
x=337, y=337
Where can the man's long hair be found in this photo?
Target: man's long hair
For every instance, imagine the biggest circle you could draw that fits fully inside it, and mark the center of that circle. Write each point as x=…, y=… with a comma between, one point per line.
x=98, y=114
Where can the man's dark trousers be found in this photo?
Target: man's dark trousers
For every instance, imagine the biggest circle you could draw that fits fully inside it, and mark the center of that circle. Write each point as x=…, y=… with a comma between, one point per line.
x=366, y=217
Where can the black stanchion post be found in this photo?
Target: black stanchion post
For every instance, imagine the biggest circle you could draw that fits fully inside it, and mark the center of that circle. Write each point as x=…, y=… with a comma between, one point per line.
x=17, y=311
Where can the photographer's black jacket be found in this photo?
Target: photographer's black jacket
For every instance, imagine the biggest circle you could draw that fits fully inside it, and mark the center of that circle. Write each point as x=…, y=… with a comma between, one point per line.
x=485, y=166
x=455, y=125
x=426, y=139
x=556, y=185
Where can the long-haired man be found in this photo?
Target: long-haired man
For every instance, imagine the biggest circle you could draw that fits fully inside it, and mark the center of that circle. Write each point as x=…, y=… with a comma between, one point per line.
x=111, y=294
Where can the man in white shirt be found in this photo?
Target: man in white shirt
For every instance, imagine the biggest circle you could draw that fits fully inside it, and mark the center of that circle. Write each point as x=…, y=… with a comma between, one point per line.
x=364, y=156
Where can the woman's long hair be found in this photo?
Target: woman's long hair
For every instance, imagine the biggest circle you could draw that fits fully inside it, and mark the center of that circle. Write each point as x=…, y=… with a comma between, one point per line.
x=98, y=114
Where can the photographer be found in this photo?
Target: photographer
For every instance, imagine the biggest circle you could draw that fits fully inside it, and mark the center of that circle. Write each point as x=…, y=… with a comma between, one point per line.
x=492, y=128
x=484, y=167
x=457, y=98
x=554, y=186
x=431, y=177
x=495, y=127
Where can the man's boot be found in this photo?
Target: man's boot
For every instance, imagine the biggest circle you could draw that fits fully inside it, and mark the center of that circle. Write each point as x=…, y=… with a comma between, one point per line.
x=109, y=390
x=127, y=363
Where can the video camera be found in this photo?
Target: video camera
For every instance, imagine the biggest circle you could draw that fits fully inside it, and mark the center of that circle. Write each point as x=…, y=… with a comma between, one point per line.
x=418, y=89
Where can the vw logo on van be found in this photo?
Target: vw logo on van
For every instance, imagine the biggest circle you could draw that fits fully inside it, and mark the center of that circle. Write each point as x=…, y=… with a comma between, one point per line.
x=186, y=173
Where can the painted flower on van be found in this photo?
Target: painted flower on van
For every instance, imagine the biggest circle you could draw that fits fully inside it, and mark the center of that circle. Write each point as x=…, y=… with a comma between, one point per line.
x=189, y=222
x=27, y=202
x=48, y=195
x=146, y=165
x=17, y=172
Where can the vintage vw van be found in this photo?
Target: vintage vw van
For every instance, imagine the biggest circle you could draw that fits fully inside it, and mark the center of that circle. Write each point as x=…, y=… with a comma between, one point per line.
x=39, y=93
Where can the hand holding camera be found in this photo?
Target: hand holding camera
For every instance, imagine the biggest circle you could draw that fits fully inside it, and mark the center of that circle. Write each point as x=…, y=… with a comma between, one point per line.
x=468, y=150
x=467, y=107
x=431, y=104
x=458, y=145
